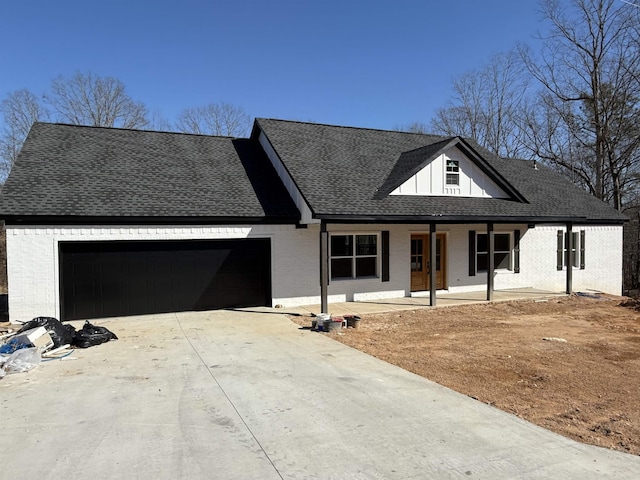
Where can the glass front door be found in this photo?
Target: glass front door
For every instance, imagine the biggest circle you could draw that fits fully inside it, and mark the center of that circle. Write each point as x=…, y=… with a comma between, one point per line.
x=420, y=268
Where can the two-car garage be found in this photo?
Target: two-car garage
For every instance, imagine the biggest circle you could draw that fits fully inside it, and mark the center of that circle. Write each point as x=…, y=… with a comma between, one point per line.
x=118, y=278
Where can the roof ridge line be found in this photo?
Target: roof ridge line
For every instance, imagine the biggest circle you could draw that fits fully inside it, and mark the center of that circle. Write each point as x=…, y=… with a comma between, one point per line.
x=123, y=129
x=353, y=127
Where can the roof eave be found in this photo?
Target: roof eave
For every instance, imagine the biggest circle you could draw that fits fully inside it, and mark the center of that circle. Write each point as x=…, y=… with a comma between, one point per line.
x=465, y=219
x=146, y=220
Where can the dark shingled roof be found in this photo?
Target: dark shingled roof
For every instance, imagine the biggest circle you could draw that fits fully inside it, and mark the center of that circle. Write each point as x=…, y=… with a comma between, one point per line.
x=75, y=173
x=92, y=172
x=341, y=172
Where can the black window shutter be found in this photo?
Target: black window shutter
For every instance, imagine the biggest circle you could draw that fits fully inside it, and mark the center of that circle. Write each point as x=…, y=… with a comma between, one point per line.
x=581, y=249
x=385, y=255
x=560, y=249
x=516, y=251
x=472, y=253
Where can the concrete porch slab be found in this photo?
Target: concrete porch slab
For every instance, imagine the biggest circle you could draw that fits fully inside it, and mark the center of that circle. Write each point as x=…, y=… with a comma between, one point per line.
x=410, y=303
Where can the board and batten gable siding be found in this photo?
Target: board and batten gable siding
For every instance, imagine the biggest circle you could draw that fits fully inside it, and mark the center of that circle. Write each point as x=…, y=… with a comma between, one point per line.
x=430, y=180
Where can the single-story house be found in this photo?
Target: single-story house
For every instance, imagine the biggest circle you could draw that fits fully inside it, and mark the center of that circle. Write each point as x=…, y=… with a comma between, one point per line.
x=109, y=222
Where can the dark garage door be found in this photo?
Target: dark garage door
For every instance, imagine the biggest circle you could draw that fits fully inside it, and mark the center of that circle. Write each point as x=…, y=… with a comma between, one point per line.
x=107, y=279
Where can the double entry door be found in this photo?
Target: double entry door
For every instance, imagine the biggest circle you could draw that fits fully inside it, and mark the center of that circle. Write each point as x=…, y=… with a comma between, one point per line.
x=420, y=266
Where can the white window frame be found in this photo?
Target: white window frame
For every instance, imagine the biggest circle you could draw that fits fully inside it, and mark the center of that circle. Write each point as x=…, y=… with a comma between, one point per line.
x=510, y=251
x=454, y=173
x=354, y=256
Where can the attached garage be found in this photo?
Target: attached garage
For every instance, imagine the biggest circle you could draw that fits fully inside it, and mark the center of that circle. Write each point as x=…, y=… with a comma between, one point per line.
x=118, y=278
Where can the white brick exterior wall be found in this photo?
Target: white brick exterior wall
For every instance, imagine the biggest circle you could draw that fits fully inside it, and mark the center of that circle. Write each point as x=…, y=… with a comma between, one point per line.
x=32, y=260
x=603, y=259
x=538, y=253
x=33, y=263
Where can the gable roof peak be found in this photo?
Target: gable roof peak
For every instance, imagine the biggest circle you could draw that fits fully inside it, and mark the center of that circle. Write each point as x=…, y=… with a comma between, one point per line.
x=410, y=162
x=441, y=145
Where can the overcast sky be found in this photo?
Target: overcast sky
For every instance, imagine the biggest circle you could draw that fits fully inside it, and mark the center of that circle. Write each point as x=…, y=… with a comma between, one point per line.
x=366, y=63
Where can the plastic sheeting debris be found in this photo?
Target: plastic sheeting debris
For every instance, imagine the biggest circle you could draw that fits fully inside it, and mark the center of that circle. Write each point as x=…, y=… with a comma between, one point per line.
x=20, y=361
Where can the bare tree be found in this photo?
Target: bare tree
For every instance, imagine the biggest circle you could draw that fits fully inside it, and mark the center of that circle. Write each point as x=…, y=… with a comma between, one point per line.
x=20, y=109
x=83, y=99
x=86, y=99
x=486, y=106
x=158, y=122
x=413, y=127
x=549, y=133
x=589, y=67
x=214, y=119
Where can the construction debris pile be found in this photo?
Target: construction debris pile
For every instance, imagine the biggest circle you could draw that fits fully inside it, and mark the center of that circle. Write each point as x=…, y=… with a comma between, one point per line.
x=325, y=322
x=42, y=339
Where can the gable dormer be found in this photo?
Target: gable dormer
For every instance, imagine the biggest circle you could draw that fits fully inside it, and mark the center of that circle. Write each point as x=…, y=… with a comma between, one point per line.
x=447, y=168
x=451, y=174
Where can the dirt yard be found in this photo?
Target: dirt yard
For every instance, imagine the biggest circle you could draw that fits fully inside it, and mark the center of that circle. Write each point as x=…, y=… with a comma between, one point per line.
x=570, y=364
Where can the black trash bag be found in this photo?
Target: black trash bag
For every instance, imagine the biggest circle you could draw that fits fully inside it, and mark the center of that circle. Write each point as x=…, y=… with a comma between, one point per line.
x=61, y=333
x=90, y=335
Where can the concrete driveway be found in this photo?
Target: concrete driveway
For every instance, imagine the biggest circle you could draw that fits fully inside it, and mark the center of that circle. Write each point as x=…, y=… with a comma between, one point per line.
x=241, y=395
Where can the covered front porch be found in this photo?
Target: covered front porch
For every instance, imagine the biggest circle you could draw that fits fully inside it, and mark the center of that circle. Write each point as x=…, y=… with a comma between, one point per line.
x=361, y=308
x=464, y=255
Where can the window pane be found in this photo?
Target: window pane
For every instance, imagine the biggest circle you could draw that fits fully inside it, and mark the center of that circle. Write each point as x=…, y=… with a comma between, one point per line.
x=416, y=246
x=366, y=244
x=501, y=260
x=366, y=267
x=452, y=166
x=341, y=245
x=416, y=263
x=482, y=242
x=482, y=262
x=452, y=179
x=341, y=268
x=501, y=242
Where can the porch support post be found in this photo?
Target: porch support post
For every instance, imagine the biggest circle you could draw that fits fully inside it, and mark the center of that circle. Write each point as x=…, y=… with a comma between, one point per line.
x=490, y=261
x=324, y=267
x=432, y=264
x=567, y=258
